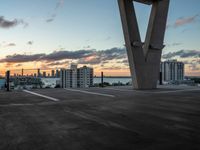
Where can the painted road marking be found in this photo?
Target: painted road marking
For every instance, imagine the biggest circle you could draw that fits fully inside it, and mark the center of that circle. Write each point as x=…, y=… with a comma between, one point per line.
x=93, y=93
x=126, y=90
x=123, y=90
x=15, y=105
x=175, y=91
x=40, y=95
x=154, y=92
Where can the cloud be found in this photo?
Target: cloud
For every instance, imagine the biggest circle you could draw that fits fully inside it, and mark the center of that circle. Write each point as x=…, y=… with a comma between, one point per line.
x=182, y=54
x=25, y=24
x=50, y=20
x=115, y=68
x=6, y=23
x=113, y=53
x=17, y=58
x=191, y=59
x=124, y=61
x=61, y=55
x=5, y=44
x=55, y=56
x=10, y=45
x=194, y=67
x=9, y=24
x=174, y=44
x=182, y=21
x=58, y=63
x=30, y=42
x=82, y=56
x=87, y=47
x=18, y=65
x=104, y=56
x=185, y=20
x=59, y=4
x=90, y=60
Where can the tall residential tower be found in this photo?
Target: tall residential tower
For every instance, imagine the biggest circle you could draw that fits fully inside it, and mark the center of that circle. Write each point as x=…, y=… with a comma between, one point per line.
x=76, y=77
x=172, y=70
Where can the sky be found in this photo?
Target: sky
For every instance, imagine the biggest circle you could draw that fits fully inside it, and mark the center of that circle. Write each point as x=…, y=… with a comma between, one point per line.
x=50, y=34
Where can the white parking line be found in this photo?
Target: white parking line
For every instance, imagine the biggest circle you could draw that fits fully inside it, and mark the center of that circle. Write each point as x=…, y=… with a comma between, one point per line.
x=123, y=90
x=93, y=93
x=15, y=105
x=127, y=90
x=40, y=95
x=154, y=92
x=175, y=91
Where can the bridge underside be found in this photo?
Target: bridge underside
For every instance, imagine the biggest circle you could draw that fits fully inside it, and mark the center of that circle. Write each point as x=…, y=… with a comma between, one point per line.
x=144, y=57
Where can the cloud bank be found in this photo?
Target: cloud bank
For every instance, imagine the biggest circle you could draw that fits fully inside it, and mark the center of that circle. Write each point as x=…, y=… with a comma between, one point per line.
x=185, y=20
x=82, y=56
x=30, y=42
x=191, y=59
x=182, y=54
x=4, y=23
x=109, y=59
x=59, y=4
x=182, y=21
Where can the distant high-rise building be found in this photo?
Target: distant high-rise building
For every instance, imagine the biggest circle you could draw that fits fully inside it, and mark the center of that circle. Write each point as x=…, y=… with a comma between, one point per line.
x=22, y=72
x=73, y=75
x=172, y=70
x=57, y=74
x=76, y=77
x=44, y=74
x=69, y=77
x=52, y=73
x=65, y=75
x=38, y=73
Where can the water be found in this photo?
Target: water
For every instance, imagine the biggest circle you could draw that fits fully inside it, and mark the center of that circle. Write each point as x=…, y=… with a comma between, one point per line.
x=2, y=83
x=51, y=82
x=112, y=80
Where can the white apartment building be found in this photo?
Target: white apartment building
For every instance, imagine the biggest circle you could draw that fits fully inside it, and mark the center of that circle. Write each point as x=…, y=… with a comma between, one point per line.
x=85, y=77
x=65, y=75
x=76, y=77
x=73, y=78
x=172, y=70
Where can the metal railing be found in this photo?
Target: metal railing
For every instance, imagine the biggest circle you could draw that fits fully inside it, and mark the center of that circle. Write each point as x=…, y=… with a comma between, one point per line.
x=29, y=78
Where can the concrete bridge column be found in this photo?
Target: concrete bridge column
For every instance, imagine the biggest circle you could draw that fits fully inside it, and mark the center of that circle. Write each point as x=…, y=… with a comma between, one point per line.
x=144, y=58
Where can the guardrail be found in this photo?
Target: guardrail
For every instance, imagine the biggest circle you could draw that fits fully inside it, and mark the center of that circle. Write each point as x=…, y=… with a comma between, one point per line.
x=30, y=78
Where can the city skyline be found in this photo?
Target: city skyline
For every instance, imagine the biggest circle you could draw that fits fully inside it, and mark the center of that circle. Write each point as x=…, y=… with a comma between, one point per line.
x=52, y=34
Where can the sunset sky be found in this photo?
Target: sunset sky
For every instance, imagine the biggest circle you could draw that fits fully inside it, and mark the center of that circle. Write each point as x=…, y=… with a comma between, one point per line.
x=50, y=34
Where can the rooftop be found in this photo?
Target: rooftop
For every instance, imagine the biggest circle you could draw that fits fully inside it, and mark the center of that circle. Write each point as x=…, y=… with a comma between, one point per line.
x=100, y=119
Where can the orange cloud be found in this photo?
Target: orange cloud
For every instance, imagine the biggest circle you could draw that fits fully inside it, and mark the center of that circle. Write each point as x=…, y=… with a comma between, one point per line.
x=183, y=21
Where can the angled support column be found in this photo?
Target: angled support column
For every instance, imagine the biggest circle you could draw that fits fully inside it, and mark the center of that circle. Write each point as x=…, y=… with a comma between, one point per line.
x=144, y=58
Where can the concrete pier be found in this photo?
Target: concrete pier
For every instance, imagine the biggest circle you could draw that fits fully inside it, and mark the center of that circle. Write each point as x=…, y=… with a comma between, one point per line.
x=144, y=57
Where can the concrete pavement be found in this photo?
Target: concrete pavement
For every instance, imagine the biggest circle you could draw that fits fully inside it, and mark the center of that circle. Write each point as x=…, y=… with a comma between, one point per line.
x=161, y=119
